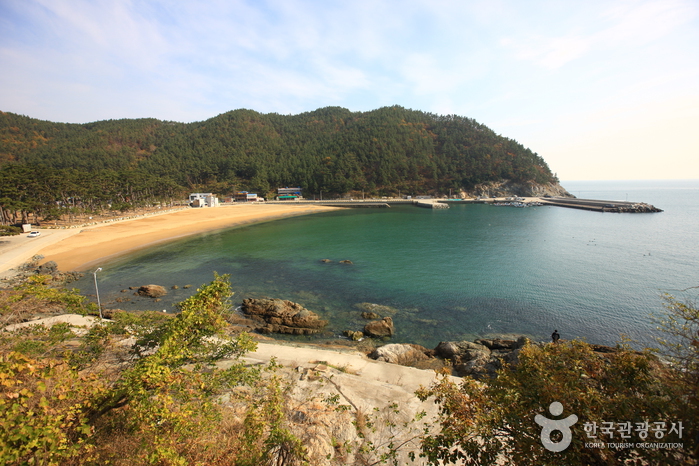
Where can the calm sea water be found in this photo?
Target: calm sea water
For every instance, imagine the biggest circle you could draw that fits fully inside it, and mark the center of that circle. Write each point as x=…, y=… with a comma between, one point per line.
x=452, y=274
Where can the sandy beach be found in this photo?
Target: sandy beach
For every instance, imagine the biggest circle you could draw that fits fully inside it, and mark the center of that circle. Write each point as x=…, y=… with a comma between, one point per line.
x=79, y=249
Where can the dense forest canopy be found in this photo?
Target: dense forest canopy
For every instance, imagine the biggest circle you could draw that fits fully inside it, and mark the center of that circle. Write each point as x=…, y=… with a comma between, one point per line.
x=331, y=149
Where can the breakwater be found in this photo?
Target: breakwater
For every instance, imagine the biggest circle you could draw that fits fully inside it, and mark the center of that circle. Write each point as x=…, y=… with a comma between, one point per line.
x=601, y=205
x=427, y=203
x=596, y=205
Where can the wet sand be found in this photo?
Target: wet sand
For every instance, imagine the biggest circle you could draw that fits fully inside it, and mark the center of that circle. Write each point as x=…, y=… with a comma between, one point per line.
x=83, y=248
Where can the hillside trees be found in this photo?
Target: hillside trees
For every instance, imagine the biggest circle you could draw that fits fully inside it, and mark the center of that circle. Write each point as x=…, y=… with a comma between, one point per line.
x=46, y=193
x=331, y=149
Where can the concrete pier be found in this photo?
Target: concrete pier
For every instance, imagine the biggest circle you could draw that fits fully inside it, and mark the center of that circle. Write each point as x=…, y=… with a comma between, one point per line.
x=600, y=205
x=426, y=203
x=595, y=205
x=431, y=204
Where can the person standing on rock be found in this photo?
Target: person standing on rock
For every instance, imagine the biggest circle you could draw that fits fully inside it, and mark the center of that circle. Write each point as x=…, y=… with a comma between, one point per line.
x=555, y=336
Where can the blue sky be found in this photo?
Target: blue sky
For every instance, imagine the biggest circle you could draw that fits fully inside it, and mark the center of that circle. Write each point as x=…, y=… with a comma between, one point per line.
x=602, y=89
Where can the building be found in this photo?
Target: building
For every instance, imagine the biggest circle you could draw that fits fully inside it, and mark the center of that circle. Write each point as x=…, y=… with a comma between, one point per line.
x=203, y=200
x=289, y=194
x=244, y=196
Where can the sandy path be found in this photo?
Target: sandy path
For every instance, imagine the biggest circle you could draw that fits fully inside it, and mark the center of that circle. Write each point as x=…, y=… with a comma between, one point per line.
x=81, y=249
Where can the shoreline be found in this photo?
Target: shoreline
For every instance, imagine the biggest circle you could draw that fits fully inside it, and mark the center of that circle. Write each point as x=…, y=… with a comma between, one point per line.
x=78, y=249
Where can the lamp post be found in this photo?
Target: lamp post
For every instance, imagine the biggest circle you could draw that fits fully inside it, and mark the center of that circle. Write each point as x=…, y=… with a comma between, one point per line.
x=94, y=274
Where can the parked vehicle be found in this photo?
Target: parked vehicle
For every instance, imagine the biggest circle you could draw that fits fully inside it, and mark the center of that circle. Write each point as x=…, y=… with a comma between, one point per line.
x=33, y=234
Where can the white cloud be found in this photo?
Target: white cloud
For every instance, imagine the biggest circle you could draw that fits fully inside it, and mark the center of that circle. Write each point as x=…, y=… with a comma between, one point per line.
x=623, y=25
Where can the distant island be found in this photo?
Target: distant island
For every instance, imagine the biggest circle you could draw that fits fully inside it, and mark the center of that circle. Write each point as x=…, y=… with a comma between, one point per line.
x=47, y=168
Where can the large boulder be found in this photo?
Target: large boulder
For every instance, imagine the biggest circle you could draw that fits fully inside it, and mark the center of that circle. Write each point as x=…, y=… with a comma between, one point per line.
x=47, y=268
x=469, y=359
x=461, y=351
x=497, y=343
x=380, y=328
x=400, y=353
x=152, y=291
x=282, y=316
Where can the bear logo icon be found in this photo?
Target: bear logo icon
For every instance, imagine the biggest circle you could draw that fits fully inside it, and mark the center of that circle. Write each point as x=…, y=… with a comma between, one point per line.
x=548, y=426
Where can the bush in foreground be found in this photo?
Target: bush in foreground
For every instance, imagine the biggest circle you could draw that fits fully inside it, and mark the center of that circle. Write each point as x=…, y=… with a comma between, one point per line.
x=494, y=423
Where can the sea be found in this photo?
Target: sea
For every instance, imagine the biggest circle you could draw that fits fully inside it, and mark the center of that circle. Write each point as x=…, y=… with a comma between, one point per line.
x=467, y=272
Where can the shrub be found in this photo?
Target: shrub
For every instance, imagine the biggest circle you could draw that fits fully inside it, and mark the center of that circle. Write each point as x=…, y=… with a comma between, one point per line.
x=9, y=230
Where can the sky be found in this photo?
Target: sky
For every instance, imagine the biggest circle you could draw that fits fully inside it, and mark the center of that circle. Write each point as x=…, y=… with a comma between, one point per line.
x=601, y=89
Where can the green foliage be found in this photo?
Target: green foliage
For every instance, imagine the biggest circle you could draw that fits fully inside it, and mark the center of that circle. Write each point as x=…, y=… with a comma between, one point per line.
x=680, y=345
x=37, y=340
x=266, y=440
x=7, y=230
x=127, y=162
x=492, y=423
x=44, y=411
x=50, y=193
x=37, y=287
x=395, y=437
x=160, y=406
x=166, y=401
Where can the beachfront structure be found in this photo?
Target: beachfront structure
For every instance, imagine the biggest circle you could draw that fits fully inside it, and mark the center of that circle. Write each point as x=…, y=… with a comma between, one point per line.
x=244, y=196
x=289, y=194
x=203, y=200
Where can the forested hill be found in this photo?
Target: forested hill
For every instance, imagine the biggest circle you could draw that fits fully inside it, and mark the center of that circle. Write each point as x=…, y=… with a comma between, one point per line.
x=332, y=150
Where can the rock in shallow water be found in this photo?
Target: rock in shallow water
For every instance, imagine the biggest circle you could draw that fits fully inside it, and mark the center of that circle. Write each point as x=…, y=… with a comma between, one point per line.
x=282, y=316
x=380, y=328
x=152, y=291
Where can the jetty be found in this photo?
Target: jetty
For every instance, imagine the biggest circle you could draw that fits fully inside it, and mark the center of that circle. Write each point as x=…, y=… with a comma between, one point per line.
x=361, y=203
x=600, y=205
x=595, y=205
x=431, y=204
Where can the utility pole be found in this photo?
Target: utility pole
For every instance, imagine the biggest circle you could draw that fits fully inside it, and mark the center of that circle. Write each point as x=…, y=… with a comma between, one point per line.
x=99, y=305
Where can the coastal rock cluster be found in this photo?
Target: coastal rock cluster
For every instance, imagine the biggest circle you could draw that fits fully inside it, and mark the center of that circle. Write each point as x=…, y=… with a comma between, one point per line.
x=635, y=208
x=482, y=358
x=378, y=327
x=282, y=316
x=479, y=359
x=504, y=188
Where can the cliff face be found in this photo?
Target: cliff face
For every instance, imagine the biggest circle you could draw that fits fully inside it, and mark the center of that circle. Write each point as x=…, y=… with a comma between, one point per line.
x=505, y=188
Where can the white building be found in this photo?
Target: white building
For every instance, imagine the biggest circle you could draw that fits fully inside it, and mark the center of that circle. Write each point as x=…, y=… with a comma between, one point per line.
x=203, y=200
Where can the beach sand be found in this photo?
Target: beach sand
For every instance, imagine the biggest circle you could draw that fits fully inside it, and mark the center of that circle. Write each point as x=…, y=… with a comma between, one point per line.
x=80, y=249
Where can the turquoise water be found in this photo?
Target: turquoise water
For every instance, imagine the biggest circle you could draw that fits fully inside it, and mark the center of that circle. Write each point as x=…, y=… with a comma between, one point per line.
x=458, y=273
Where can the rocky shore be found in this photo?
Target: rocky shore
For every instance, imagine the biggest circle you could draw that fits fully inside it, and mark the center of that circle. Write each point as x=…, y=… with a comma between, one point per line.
x=480, y=359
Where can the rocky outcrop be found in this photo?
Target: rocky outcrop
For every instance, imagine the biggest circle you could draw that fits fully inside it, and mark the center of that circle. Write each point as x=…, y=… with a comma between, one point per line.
x=404, y=354
x=481, y=358
x=47, y=268
x=380, y=328
x=370, y=315
x=504, y=188
x=152, y=291
x=282, y=316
